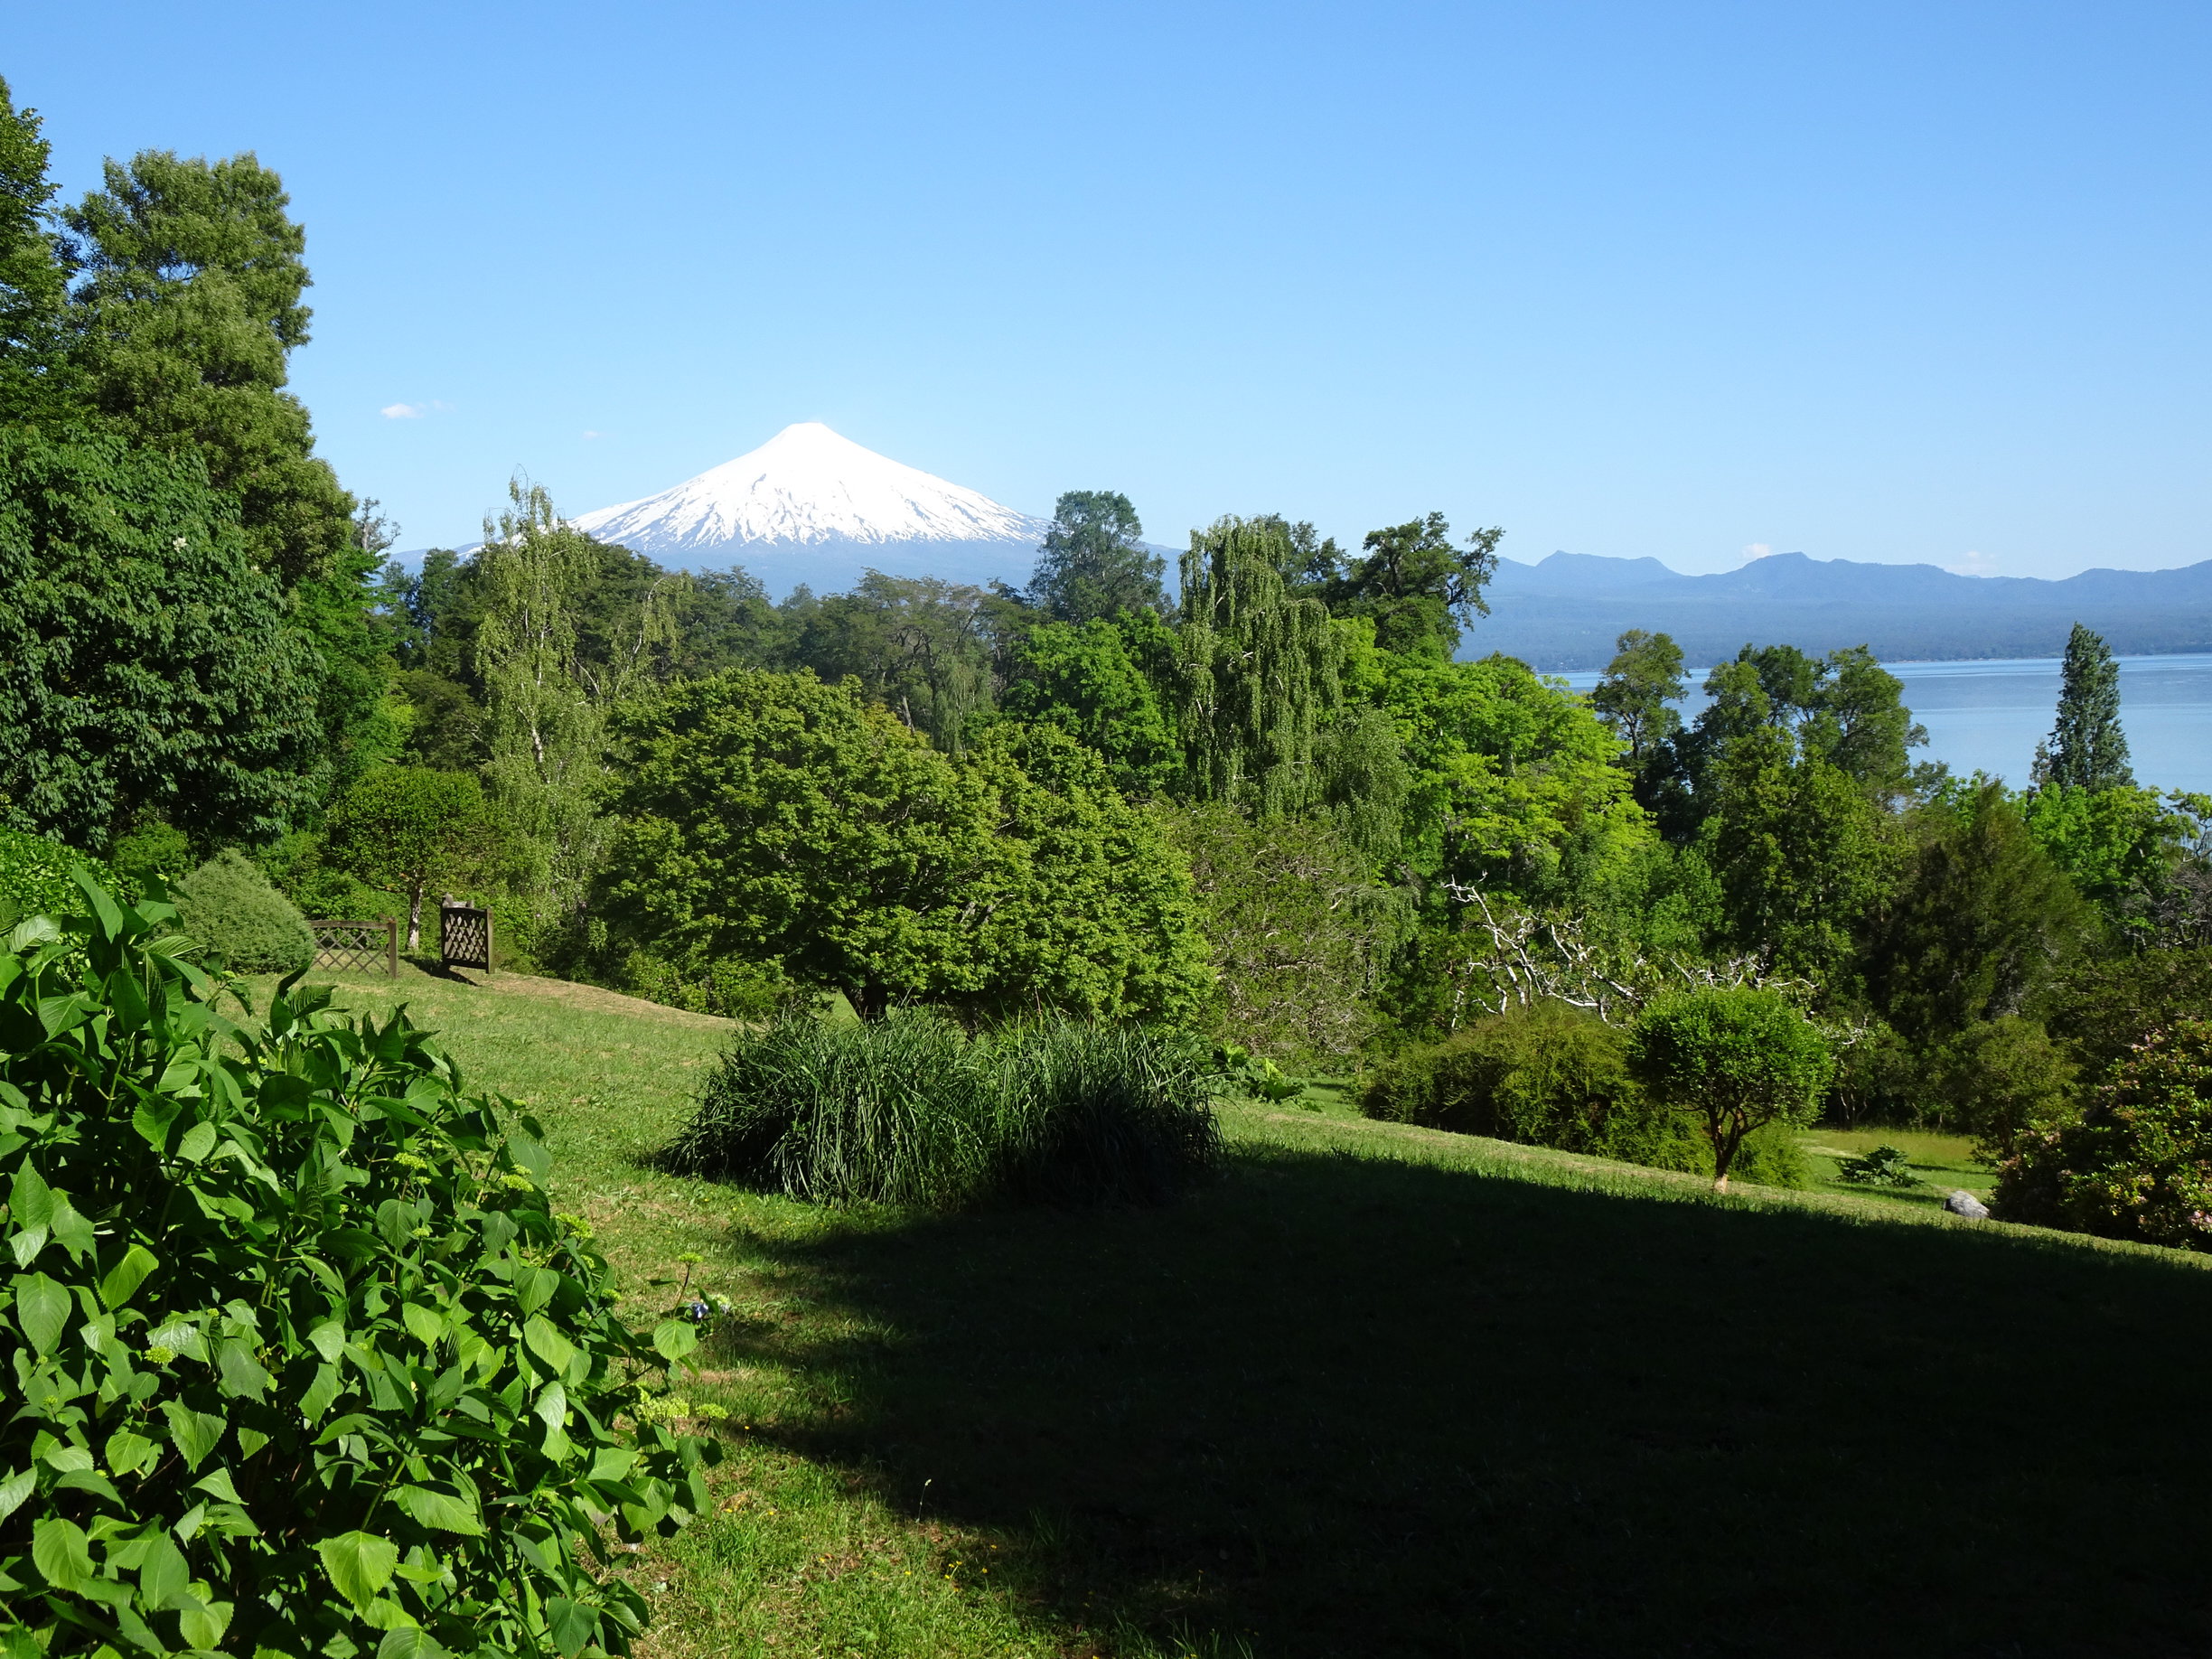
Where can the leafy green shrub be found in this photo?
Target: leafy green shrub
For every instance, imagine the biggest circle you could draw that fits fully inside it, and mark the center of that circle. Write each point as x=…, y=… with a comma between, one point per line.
x=1734, y=1062
x=153, y=852
x=1549, y=1075
x=299, y=1360
x=910, y=1109
x=1255, y=1076
x=34, y=878
x=733, y=989
x=2000, y=1079
x=247, y=925
x=1883, y=1166
x=1553, y=1075
x=2139, y=1163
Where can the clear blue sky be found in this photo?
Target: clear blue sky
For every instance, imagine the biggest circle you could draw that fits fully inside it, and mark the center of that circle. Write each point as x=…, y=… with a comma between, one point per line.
x=1919, y=281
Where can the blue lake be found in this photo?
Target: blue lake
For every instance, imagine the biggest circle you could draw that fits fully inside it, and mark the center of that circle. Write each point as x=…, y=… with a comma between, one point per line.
x=1989, y=717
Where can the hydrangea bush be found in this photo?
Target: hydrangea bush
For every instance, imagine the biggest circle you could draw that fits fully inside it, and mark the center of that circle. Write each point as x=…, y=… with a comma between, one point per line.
x=295, y=1358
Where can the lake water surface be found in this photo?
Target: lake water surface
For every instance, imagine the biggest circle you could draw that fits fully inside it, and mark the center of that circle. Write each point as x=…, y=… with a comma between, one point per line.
x=1990, y=716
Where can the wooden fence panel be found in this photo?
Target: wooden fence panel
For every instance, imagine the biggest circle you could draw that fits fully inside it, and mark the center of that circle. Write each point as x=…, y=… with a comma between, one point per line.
x=358, y=947
x=464, y=936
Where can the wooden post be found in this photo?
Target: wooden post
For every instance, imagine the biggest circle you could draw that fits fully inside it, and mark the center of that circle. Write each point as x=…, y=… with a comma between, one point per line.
x=487, y=942
x=392, y=947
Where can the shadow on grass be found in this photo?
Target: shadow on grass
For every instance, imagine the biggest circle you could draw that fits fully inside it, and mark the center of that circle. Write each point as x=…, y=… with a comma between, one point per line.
x=1347, y=1406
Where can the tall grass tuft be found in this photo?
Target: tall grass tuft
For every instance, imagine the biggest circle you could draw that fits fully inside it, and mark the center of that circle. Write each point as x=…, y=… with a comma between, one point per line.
x=1100, y=1114
x=894, y=1112
x=909, y=1110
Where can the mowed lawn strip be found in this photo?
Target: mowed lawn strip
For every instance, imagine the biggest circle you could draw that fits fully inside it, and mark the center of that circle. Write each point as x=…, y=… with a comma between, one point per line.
x=1388, y=1391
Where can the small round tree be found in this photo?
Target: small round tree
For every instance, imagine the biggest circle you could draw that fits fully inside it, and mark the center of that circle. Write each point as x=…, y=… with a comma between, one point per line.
x=1736, y=1059
x=403, y=828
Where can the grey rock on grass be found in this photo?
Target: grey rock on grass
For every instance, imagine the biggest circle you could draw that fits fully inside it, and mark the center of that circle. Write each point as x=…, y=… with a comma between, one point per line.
x=1968, y=1205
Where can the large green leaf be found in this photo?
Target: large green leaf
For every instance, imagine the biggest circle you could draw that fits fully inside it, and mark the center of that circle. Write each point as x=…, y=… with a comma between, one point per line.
x=425, y=1325
x=60, y=1551
x=571, y=1624
x=202, y=1627
x=548, y=1344
x=194, y=1434
x=124, y=1278
x=163, y=1574
x=15, y=1489
x=128, y=1452
x=534, y=1287
x=30, y=1199
x=319, y=1393
x=674, y=1339
x=359, y=1564
x=241, y=1375
x=156, y=1116
x=409, y=1644
x=73, y=1232
x=441, y=1510
x=41, y=1311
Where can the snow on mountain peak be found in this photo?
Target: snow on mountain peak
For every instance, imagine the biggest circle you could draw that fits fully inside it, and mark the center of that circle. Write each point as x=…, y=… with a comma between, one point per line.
x=808, y=486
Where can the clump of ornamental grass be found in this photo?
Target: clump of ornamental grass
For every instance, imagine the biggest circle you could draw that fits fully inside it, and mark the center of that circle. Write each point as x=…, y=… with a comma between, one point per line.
x=1100, y=1114
x=911, y=1110
x=894, y=1110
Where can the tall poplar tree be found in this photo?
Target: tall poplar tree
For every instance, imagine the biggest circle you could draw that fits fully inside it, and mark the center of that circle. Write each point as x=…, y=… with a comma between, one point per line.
x=2086, y=749
x=543, y=731
x=1257, y=672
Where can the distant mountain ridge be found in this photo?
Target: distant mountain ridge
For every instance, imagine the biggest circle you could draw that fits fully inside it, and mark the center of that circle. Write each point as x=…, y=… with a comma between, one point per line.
x=1565, y=612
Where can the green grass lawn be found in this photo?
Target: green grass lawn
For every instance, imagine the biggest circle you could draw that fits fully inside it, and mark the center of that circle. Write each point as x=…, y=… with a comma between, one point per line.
x=1385, y=1391
x=1945, y=1163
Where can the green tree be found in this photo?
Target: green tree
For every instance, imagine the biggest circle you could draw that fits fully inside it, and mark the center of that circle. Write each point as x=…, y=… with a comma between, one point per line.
x=771, y=818
x=2002, y=1080
x=1094, y=564
x=1096, y=916
x=34, y=384
x=918, y=646
x=1085, y=679
x=1295, y=929
x=1844, y=709
x=227, y=906
x=406, y=829
x=1798, y=849
x=2086, y=749
x=1511, y=781
x=544, y=736
x=190, y=307
x=1979, y=923
x=1417, y=587
x=2119, y=844
x=1256, y=675
x=1736, y=1060
x=1643, y=680
x=147, y=666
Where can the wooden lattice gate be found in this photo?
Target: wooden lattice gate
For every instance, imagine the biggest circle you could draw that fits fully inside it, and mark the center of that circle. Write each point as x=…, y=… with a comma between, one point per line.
x=464, y=936
x=357, y=947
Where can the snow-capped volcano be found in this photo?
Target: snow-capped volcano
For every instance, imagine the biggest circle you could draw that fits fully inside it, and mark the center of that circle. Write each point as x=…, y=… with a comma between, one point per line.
x=808, y=505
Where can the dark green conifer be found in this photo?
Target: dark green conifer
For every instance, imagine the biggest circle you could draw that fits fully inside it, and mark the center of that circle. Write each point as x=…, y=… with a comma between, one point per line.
x=2086, y=749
